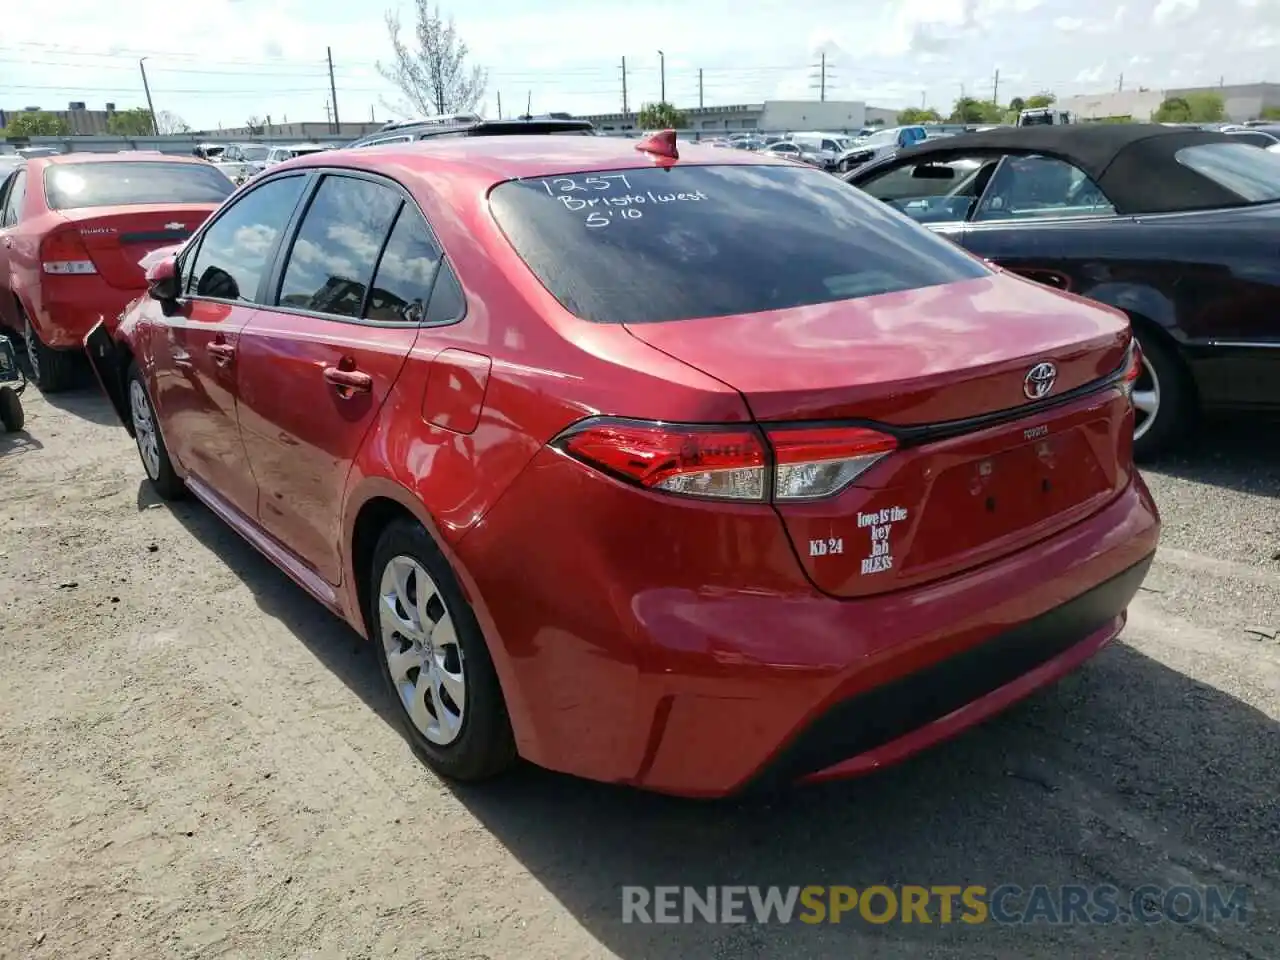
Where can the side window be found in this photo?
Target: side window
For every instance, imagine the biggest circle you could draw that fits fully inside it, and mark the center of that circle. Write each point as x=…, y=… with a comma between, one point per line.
x=333, y=257
x=237, y=249
x=1041, y=187
x=407, y=271
x=937, y=192
x=5, y=184
x=831, y=146
x=17, y=195
x=447, y=301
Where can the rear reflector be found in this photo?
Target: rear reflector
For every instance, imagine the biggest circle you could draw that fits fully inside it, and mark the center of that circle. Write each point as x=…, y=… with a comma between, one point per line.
x=63, y=252
x=1133, y=367
x=728, y=463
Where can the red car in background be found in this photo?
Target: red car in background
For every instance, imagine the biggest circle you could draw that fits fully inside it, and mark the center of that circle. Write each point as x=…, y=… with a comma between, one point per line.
x=72, y=230
x=687, y=469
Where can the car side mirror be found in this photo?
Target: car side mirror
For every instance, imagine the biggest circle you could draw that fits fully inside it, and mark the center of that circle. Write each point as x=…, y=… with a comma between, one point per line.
x=162, y=280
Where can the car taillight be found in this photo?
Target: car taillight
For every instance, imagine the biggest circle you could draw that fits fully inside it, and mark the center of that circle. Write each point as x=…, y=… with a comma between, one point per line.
x=1133, y=368
x=816, y=462
x=64, y=252
x=728, y=462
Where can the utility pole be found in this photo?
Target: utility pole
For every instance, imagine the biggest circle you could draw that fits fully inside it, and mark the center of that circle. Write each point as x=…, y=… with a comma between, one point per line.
x=372, y=118
x=499, y=104
x=820, y=81
x=923, y=94
x=662, y=71
x=995, y=90
x=528, y=107
x=155, y=124
x=328, y=116
x=699, y=88
x=1120, y=85
x=625, y=109
x=333, y=92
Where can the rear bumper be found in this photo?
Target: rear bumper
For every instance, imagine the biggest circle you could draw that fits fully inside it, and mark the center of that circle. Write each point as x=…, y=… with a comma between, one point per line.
x=622, y=663
x=66, y=308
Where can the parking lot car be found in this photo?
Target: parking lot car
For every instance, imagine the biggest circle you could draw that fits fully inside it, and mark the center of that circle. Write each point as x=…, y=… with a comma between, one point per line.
x=612, y=485
x=1175, y=226
x=72, y=229
x=880, y=144
x=469, y=125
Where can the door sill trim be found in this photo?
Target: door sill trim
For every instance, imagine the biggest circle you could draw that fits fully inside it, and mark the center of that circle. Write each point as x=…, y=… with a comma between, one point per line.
x=267, y=545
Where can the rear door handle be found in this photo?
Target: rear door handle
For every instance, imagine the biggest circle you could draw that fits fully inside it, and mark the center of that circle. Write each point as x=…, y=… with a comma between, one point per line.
x=8, y=241
x=352, y=380
x=222, y=352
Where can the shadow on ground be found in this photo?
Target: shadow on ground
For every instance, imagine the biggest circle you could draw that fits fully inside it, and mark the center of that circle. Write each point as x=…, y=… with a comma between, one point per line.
x=1238, y=452
x=1126, y=773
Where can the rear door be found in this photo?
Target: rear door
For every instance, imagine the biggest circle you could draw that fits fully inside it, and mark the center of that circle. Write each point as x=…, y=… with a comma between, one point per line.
x=318, y=363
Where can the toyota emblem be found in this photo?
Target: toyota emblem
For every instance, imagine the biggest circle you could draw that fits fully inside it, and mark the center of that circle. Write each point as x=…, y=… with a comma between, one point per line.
x=1039, y=380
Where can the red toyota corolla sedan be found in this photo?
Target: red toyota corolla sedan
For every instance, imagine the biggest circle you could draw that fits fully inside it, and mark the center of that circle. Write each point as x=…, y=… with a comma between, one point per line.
x=692, y=471
x=72, y=229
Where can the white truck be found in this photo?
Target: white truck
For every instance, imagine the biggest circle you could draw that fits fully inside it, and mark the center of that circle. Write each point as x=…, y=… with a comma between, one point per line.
x=1044, y=116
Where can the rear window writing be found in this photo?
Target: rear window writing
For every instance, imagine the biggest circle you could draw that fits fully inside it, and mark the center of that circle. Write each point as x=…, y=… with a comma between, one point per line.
x=655, y=244
x=73, y=185
x=1248, y=171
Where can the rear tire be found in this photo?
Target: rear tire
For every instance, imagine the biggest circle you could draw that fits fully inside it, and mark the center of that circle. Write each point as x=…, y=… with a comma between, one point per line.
x=11, y=414
x=1164, y=399
x=53, y=370
x=146, y=432
x=434, y=658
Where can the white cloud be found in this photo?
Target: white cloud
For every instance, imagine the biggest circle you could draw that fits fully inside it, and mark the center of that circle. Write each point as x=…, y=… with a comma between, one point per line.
x=1092, y=74
x=1174, y=11
x=1068, y=24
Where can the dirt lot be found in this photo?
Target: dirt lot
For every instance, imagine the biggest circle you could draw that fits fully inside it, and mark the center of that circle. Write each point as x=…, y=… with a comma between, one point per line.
x=197, y=761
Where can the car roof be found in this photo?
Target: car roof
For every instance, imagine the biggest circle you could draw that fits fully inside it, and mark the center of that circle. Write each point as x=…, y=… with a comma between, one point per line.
x=1134, y=164
x=496, y=159
x=130, y=157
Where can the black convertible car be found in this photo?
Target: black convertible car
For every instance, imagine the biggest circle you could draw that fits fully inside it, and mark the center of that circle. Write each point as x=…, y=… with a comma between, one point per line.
x=1178, y=228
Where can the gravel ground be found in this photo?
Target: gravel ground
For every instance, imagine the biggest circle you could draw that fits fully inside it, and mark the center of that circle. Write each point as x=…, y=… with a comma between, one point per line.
x=197, y=761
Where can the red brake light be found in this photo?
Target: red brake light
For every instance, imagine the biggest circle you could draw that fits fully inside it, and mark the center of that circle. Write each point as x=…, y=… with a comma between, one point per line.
x=1133, y=367
x=721, y=462
x=816, y=462
x=728, y=462
x=63, y=252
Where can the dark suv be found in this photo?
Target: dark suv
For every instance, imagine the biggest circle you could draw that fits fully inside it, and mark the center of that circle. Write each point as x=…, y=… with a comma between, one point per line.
x=470, y=125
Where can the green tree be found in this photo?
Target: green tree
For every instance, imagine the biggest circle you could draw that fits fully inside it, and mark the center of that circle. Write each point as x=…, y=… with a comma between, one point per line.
x=918, y=115
x=1206, y=107
x=661, y=116
x=131, y=123
x=971, y=110
x=432, y=71
x=37, y=123
x=1173, y=110
x=1017, y=104
x=1042, y=99
x=1270, y=113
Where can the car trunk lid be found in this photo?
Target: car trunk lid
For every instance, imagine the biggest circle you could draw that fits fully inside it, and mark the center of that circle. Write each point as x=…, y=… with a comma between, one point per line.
x=119, y=239
x=992, y=454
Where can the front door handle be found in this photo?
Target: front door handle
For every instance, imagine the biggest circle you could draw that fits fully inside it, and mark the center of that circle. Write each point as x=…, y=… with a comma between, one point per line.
x=8, y=241
x=350, y=380
x=222, y=353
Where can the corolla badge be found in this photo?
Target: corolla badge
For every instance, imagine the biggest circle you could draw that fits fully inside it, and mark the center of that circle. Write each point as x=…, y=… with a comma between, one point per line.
x=1039, y=380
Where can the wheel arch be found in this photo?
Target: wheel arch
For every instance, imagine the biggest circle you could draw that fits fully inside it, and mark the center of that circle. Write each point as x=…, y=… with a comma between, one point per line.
x=375, y=503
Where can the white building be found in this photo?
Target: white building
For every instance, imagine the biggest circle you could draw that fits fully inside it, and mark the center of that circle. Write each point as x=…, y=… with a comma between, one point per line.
x=771, y=116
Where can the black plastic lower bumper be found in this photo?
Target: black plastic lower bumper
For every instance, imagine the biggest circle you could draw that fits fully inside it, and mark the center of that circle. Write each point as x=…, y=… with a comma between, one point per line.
x=883, y=714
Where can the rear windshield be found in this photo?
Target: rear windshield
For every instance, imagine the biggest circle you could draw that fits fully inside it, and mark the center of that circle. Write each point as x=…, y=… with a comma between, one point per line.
x=654, y=244
x=1250, y=172
x=72, y=185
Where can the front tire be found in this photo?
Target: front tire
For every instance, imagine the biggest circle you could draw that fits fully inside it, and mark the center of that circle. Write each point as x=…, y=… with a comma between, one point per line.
x=53, y=370
x=434, y=658
x=1163, y=399
x=146, y=432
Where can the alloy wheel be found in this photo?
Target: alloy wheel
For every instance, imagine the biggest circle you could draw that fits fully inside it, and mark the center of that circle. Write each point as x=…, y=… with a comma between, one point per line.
x=1146, y=399
x=422, y=650
x=144, y=429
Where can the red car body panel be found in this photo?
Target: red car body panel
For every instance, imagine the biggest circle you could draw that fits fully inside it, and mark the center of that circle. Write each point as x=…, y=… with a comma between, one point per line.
x=677, y=644
x=62, y=308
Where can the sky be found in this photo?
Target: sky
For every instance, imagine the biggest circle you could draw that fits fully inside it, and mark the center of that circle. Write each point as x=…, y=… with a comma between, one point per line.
x=229, y=60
